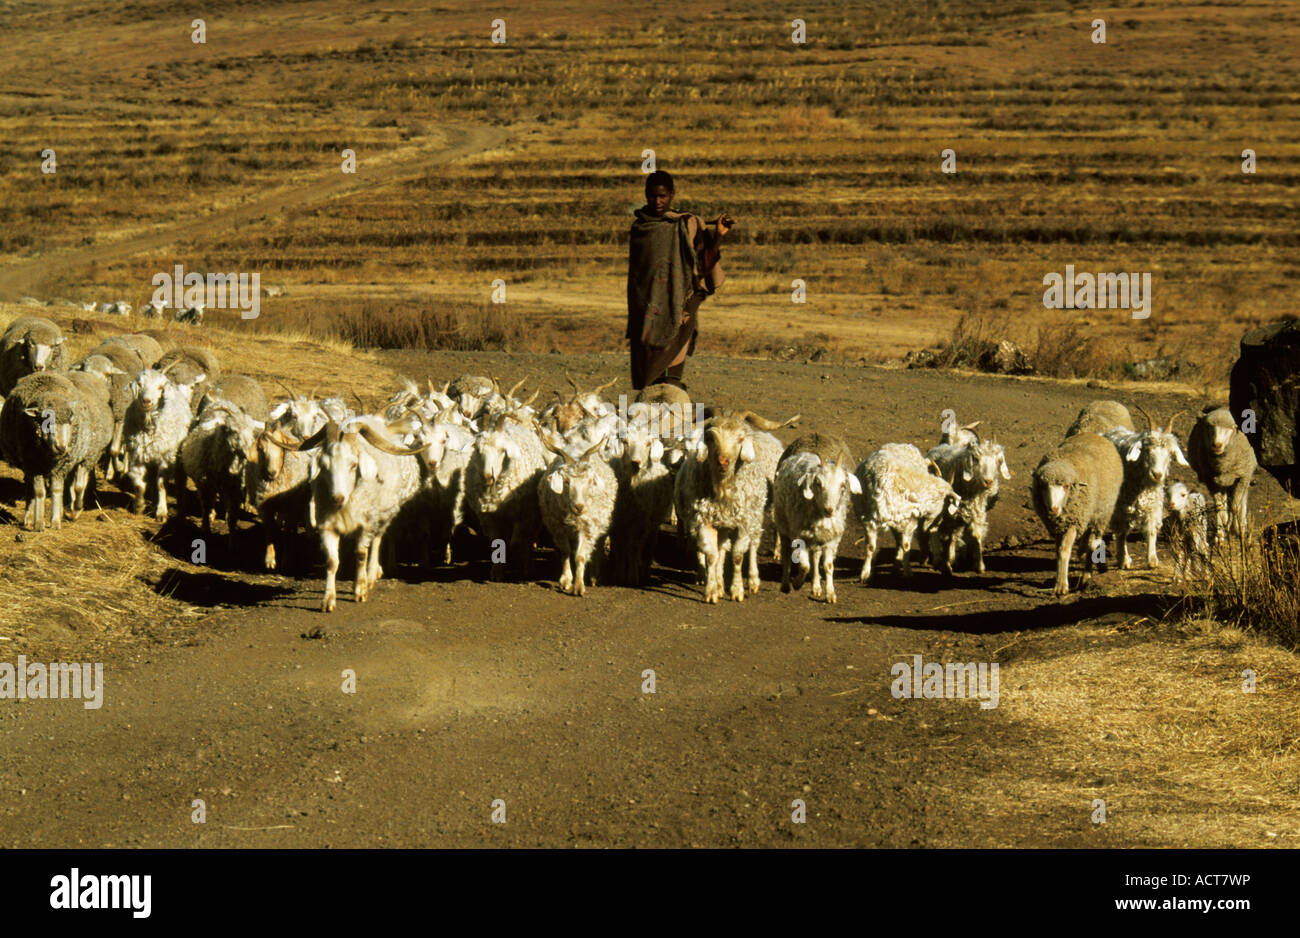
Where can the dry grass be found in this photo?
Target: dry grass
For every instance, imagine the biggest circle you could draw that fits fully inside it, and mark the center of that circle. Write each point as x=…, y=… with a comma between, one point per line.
x=1255, y=588
x=1161, y=731
x=103, y=596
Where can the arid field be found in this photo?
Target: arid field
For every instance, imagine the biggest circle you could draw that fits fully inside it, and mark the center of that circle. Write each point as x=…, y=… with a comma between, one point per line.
x=522, y=162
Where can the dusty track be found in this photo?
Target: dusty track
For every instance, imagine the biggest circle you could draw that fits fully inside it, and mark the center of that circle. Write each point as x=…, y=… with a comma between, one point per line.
x=449, y=144
x=469, y=692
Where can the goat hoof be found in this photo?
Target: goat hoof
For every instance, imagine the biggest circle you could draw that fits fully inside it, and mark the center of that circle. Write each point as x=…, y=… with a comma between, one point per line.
x=785, y=586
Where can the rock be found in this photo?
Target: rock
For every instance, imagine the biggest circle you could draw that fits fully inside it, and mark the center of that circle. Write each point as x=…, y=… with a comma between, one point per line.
x=1011, y=541
x=920, y=359
x=1004, y=358
x=1266, y=380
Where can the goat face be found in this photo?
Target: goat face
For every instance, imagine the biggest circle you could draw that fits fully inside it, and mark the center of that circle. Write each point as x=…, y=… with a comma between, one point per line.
x=497, y=451
x=824, y=486
x=1176, y=496
x=726, y=446
x=1158, y=449
x=986, y=462
x=341, y=467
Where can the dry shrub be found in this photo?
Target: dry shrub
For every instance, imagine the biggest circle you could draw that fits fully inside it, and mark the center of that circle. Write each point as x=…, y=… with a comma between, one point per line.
x=803, y=120
x=462, y=327
x=1255, y=587
x=976, y=331
x=1069, y=350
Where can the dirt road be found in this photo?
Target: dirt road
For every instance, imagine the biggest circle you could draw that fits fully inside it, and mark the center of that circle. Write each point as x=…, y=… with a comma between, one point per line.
x=468, y=692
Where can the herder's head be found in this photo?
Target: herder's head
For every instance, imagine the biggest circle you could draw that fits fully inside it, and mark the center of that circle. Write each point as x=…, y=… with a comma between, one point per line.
x=659, y=191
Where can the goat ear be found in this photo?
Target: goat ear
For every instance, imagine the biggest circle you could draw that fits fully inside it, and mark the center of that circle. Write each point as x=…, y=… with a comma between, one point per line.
x=367, y=467
x=806, y=484
x=512, y=449
x=701, y=451
x=556, y=482
x=747, y=450
x=1003, y=470
x=1134, y=452
x=855, y=485
x=966, y=474
x=1178, y=455
x=657, y=449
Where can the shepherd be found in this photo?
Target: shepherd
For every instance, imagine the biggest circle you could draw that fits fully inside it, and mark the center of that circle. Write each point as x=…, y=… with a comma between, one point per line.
x=673, y=266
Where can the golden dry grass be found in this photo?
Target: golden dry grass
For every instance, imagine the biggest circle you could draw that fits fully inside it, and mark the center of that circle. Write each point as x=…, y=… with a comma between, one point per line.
x=1163, y=732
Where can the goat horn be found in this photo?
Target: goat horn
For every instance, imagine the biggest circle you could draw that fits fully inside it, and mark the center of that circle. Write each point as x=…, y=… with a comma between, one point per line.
x=329, y=433
x=1170, y=427
x=279, y=439
x=360, y=402
x=1151, y=424
x=599, y=445
x=529, y=402
x=569, y=378
x=377, y=440
x=608, y=384
x=292, y=392
x=511, y=393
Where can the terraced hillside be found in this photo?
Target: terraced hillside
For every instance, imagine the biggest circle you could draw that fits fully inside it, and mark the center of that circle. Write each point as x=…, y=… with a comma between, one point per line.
x=1121, y=156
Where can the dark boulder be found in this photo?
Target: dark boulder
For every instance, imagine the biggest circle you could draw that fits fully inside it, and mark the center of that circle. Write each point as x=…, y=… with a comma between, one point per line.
x=1266, y=380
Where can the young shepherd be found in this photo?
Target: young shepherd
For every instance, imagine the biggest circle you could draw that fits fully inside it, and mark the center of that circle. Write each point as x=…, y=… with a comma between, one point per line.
x=672, y=268
x=1075, y=490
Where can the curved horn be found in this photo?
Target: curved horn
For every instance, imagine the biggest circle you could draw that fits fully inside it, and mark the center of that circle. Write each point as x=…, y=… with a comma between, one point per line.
x=1175, y=416
x=608, y=384
x=599, y=445
x=328, y=433
x=569, y=378
x=292, y=392
x=762, y=423
x=279, y=439
x=1151, y=424
x=377, y=440
x=529, y=402
x=511, y=393
x=360, y=402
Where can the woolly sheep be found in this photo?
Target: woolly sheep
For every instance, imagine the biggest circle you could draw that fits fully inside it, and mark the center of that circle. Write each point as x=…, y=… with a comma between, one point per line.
x=52, y=427
x=30, y=345
x=1225, y=463
x=242, y=391
x=147, y=347
x=1101, y=417
x=1074, y=491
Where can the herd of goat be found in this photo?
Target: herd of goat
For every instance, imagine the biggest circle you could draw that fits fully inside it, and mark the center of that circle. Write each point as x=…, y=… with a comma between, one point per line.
x=602, y=481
